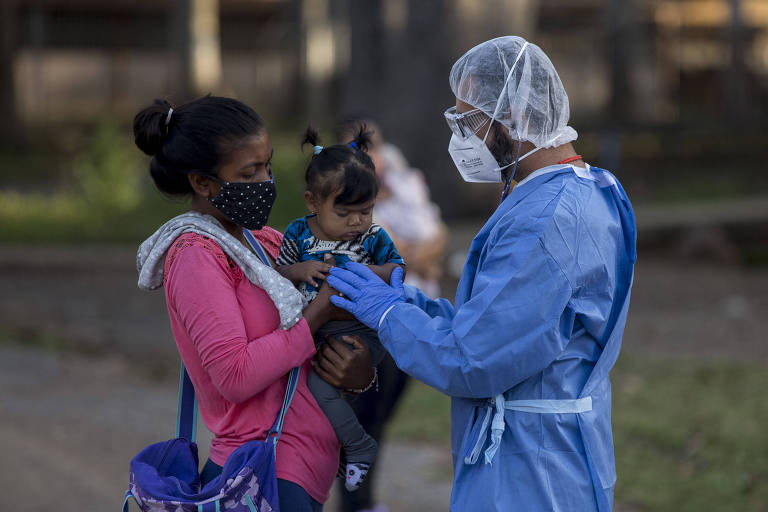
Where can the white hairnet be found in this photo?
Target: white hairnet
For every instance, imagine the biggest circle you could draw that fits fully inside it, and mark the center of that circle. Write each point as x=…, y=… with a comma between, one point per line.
x=532, y=102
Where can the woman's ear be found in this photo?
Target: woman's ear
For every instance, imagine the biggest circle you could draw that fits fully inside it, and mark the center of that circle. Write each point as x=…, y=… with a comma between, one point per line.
x=311, y=201
x=202, y=185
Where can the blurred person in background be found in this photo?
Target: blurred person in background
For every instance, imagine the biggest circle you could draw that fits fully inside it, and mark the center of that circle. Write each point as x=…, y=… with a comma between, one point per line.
x=239, y=326
x=404, y=209
x=526, y=349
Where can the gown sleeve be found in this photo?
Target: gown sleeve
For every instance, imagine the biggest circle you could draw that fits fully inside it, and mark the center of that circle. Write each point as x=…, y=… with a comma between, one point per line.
x=433, y=307
x=513, y=325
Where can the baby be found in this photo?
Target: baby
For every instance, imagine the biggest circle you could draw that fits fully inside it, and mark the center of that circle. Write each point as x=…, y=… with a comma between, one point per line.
x=341, y=192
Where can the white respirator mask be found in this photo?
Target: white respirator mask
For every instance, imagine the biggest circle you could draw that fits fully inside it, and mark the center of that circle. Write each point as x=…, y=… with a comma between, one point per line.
x=474, y=160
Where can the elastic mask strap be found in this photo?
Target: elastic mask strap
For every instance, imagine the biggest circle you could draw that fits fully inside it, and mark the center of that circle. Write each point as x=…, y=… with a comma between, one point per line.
x=514, y=171
x=518, y=159
x=527, y=154
x=504, y=88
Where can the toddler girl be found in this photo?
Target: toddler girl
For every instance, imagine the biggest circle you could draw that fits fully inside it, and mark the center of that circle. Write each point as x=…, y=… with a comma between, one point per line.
x=341, y=192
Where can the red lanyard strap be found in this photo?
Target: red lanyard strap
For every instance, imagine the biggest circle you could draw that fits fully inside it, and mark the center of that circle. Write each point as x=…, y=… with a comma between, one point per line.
x=570, y=159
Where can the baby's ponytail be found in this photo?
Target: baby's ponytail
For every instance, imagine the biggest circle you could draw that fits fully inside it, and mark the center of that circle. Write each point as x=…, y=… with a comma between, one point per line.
x=311, y=137
x=363, y=139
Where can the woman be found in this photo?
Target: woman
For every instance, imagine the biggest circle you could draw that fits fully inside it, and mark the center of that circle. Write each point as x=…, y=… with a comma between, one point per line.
x=238, y=325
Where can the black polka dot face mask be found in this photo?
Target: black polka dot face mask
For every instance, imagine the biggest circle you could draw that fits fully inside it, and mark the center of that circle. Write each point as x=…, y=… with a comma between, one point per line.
x=246, y=204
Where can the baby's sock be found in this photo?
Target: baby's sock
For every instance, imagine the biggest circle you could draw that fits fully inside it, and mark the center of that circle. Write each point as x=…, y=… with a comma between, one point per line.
x=355, y=475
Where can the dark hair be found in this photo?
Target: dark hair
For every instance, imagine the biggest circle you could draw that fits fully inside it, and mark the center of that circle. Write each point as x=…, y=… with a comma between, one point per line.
x=195, y=137
x=350, y=125
x=345, y=169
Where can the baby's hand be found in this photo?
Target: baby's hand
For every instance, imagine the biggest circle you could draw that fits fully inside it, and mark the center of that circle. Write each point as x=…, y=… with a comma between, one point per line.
x=305, y=272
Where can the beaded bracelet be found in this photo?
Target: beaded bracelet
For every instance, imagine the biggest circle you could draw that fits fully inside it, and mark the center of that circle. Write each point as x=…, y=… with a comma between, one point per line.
x=374, y=380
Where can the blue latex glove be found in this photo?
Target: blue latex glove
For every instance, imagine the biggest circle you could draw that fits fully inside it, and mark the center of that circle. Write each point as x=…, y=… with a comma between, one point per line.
x=365, y=295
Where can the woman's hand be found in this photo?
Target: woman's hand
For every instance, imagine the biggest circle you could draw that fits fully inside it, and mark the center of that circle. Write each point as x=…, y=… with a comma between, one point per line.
x=320, y=310
x=344, y=368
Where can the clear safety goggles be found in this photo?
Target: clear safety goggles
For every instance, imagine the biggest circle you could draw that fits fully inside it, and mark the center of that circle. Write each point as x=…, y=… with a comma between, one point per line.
x=464, y=124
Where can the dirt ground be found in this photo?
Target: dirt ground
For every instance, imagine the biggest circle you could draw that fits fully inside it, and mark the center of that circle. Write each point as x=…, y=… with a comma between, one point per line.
x=78, y=402
x=71, y=423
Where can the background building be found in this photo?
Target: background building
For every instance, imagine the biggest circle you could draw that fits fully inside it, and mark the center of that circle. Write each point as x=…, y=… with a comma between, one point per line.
x=640, y=74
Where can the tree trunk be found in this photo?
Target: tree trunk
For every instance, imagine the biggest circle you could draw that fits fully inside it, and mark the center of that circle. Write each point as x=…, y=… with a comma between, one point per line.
x=9, y=129
x=196, y=42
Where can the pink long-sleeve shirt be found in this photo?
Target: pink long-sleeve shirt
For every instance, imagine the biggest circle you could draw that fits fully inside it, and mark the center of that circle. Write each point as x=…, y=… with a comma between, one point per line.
x=227, y=333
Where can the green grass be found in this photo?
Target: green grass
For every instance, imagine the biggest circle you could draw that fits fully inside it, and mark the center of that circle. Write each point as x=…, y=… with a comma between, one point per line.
x=422, y=415
x=689, y=435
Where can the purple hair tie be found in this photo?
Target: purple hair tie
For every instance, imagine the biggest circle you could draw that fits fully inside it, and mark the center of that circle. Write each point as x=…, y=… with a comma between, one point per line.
x=353, y=145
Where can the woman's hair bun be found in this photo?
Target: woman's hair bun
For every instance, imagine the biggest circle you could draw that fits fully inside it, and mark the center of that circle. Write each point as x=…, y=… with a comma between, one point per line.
x=149, y=127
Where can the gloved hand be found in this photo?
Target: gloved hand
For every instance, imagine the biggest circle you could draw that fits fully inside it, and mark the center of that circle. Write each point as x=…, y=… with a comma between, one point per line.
x=365, y=295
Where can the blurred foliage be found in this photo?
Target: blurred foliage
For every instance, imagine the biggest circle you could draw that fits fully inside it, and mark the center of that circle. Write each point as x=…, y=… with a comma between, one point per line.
x=689, y=435
x=107, y=173
x=422, y=415
x=101, y=191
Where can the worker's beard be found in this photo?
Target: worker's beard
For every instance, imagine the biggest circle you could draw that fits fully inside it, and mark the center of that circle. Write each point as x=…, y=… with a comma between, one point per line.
x=502, y=148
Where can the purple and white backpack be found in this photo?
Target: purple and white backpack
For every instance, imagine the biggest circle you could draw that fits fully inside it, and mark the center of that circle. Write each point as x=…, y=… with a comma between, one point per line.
x=164, y=476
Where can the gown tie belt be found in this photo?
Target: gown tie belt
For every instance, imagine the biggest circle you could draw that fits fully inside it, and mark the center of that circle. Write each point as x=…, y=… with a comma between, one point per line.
x=554, y=406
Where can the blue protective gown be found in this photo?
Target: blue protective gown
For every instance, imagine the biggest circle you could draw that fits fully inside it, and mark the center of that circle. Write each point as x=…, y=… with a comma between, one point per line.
x=539, y=314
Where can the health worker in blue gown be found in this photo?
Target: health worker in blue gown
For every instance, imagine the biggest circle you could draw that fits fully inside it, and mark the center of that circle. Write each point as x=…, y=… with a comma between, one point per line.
x=526, y=348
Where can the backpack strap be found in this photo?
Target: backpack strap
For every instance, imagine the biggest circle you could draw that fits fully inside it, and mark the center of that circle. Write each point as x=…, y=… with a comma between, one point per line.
x=256, y=247
x=290, y=390
x=293, y=377
x=186, y=418
x=126, y=505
